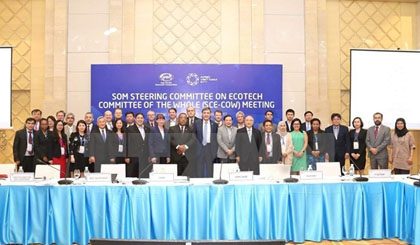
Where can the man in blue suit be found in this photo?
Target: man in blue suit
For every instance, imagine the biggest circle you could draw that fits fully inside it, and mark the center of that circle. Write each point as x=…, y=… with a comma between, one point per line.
x=206, y=146
x=338, y=134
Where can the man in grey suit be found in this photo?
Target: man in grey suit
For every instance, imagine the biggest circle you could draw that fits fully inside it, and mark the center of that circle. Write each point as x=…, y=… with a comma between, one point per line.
x=226, y=140
x=268, y=116
x=377, y=140
x=172, y=118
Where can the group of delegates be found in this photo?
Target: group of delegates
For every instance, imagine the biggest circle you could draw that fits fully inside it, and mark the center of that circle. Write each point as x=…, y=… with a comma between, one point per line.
x=195, y=144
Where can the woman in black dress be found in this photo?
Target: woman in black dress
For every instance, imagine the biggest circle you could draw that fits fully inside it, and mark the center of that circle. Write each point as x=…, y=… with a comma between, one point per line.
x=78, y=149
x=358, y=144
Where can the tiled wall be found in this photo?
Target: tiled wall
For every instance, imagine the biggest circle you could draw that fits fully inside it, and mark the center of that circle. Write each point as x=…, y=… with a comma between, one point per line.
x=284, y=38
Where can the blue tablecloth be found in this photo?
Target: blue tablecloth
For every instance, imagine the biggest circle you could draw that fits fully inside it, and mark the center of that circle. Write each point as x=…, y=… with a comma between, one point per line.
x=298, y=212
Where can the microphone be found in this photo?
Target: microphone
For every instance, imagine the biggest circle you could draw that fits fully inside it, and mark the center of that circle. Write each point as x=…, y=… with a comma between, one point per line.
x=142, y=181
x=360, y=178
x=416, y=183
x=220, y=181
x=290, y=179
x=64, y=181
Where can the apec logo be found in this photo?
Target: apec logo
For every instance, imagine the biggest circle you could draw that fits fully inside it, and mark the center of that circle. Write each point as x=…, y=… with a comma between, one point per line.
x=166, y=77
x=166, y=80
x=193, y=79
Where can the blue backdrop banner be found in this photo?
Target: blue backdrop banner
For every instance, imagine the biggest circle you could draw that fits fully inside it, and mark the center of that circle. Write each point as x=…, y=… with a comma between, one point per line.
x=252, y=89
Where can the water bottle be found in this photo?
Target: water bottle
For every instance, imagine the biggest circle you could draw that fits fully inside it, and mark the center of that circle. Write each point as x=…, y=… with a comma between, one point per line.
x=310, y=167
x=86, y=172
x=20, y=169
x=351, y=170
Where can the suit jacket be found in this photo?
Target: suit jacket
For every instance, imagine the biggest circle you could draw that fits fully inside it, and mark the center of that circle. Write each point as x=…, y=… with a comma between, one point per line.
x=287, y=126
x=176, y=138
x=276, y=151
x=157, y=145
x=75, y=143
x=168, y=124
x=188, y=121
x=147, y=124
x=102, y=151
x=261, y=127
x=342, y=143
x=303, y=127
x=116, y=144
x=198, y=130
x=248, y=152
x=136, y=145
x=54, y=148
x=41, y=144
x=68, y=133
x=20, y=144
x=94, y=128
x=322, y=142
x=226, y=143
x=381, y=142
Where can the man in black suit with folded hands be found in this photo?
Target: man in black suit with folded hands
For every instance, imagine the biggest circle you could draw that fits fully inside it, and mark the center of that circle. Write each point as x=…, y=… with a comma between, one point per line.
x=23, y=146
x=338, y=134
x=247, y=146
x=100, y=146
x=270, y=150
x=182, y=142
x=138, y=148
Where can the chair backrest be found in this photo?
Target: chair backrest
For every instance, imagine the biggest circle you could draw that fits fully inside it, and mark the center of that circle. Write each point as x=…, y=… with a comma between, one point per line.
x=226, y=169
x=274, y=171
x=47, y=171
x=7, y=168
x=118, y=169
x=329, y=169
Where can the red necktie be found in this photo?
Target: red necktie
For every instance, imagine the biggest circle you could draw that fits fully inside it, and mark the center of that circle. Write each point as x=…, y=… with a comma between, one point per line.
x=88, y=130
x=30, y=142
x=376, y=132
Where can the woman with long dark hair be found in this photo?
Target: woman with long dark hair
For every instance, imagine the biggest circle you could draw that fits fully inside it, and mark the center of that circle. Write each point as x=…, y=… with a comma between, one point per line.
x=58, y=147
x=358, y=144
x=78, y=149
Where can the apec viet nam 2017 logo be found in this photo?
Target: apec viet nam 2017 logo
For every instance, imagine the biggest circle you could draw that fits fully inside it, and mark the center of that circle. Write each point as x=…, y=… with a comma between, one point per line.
x=193, y=79
x=166, y=79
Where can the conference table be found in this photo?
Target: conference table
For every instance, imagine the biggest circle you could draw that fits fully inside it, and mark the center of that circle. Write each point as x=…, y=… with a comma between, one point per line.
x=315, y=210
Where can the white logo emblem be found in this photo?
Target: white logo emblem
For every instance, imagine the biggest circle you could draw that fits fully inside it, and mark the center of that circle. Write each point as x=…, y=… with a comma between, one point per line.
x=193, y=79
x=166, y=77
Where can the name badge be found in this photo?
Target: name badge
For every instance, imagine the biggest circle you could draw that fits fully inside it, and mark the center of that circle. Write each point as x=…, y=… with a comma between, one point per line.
x=29, y=147
x=98, y=177
x=316, y=146
x=356, y=145
x=380, y=173
x=269, y=148
x=241, y=176
x=63, y=151
x=82, y=149
x=310, y=175
x=161, y=177
x=21, y=177
x=120, y=148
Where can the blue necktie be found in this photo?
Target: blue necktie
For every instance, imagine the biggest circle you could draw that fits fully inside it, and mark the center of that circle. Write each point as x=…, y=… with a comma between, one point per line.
x=205, y=134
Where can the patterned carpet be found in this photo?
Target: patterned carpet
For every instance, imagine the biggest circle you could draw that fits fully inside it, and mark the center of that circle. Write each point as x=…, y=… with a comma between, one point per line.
x=362, y=242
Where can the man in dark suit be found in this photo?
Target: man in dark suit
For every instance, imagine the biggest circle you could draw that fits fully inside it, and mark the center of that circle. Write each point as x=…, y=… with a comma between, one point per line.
x=37, y=115
x=306, y=125
x=339, y=134
x=206, y=133
x=100, y=146
x=290, y=115
x=23, y=146
x=270, y=150
x=191, y=117
x=182, y=141
x=269, y=114
x=247, y=146
x=138, y=149
x=90, y=127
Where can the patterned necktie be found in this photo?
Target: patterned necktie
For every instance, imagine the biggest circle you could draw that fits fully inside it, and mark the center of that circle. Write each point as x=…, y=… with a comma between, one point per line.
x=376, y=132
x=103, y=135
x=31, y=142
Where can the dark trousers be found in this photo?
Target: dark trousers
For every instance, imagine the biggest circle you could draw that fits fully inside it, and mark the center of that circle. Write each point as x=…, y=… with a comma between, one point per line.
x=132, y=169
x=182, y=165
x=160, y=158
x=205, y=162
x=227, y=160
x=268, y=160
x=401, y=171
x=28, y=164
